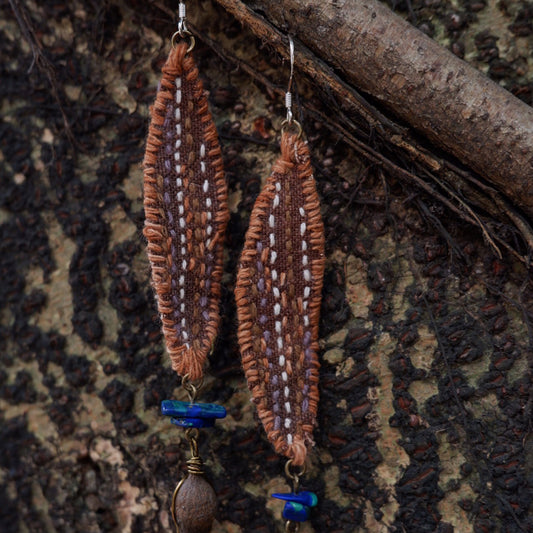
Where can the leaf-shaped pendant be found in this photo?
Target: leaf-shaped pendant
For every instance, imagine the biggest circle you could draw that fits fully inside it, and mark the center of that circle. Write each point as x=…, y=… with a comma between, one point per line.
x=185, y=203
x=278, y=294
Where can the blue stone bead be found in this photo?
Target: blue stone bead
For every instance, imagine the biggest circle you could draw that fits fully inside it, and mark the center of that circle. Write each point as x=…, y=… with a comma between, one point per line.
x=296, y=512
x=305, y=498
x=190, y=422
x=192, y=410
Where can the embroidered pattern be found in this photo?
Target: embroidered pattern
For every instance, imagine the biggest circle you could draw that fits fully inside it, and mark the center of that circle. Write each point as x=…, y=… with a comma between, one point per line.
x=185, y=203
x=278, y=295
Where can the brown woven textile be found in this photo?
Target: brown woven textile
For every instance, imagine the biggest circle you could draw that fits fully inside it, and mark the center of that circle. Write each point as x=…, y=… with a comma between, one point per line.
x=185, y=204
x=278, y=292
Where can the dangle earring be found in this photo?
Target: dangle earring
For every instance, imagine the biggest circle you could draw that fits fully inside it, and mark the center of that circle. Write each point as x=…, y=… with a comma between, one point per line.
x=185, y=203
x=278, y=294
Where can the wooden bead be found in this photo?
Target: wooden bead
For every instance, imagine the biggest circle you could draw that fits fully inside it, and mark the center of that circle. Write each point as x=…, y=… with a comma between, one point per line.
x=195, y=505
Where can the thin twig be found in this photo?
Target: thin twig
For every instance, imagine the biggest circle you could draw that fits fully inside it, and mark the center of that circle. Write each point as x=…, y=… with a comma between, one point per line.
x=347, y=100
x=42, y=62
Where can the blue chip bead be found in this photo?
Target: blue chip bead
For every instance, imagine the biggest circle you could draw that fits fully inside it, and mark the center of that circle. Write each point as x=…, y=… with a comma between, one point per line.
x=190, y=422
x=192, y=410
x=305, y=498
x=296, y=512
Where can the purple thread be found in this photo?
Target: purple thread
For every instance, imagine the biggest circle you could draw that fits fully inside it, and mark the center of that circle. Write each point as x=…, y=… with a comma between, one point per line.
x=259, y=246
x=207, y=283
x=275, y=380
x=275, y=395
x=203, y=301
x=259, y=266
x=308, y=353
x=307, y=338
x=261, y=284
x=266, y=335
x=170, y=217
x=305, y=405
x=166, y=197
x=277, y=423
x=168, y=149
x=263, y=302
x=263, y=319
x=205, y=314
x=268, y=352
x=168, y=166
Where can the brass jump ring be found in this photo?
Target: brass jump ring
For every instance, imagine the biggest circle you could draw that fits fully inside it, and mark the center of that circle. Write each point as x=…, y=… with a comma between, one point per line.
x=293, y=475
x=183, y=34
x=286, y=125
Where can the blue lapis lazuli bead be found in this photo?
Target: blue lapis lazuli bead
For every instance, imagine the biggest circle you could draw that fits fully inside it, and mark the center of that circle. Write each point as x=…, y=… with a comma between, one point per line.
x=305, y=497
x=296, y=512
x=192, y=410
x=191, y=422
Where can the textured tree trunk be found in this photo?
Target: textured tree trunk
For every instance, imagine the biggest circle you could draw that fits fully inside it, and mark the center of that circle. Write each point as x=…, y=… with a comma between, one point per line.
x=450, y=102
x=424, y=420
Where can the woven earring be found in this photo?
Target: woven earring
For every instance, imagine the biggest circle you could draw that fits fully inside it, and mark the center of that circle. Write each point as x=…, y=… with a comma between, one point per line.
x=185, y=203
x=278, y=294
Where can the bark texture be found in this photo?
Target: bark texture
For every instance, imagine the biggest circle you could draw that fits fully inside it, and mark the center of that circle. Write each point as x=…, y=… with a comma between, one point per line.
x=424, y=420
x=453, y=104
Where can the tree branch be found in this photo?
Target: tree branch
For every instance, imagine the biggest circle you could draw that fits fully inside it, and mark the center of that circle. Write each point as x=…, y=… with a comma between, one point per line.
x=454, y=105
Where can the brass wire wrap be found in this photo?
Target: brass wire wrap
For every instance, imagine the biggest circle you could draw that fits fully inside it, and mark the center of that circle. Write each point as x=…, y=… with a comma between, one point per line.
x=173, y=506
x=194, y=464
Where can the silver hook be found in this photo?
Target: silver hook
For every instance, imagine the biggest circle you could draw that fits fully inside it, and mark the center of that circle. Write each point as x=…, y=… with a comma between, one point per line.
x=291, y=54
x=183, y=32
x=288, y=94
x=289, y=122
x=182, y=24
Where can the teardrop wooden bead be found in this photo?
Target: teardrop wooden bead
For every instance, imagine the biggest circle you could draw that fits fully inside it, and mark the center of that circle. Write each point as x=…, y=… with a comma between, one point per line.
x=195, y=505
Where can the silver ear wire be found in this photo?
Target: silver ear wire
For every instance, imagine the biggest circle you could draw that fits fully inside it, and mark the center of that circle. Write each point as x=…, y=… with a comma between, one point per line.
x=182, y=25
x=183, y=32
x=288, y=94
x=289, y=122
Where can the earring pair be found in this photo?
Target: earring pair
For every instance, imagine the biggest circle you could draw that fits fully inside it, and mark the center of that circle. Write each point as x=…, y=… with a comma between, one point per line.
x=279, y=277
